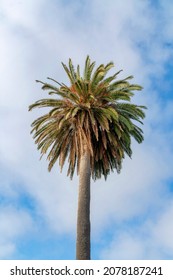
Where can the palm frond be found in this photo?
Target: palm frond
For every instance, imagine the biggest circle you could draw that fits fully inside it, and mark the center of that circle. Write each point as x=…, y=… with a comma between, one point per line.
x=93, y=111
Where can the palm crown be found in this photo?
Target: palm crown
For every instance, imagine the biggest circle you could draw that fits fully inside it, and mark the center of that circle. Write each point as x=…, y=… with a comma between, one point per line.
x=88, y=113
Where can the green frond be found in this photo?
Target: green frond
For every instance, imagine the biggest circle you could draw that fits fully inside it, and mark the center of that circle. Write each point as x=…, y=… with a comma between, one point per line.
x=47, y=86
x=78, y=72
x=91, y=70
x=120, y=95
x=125, y=122
x=72, y=71
x=53, y=80
x=46, y=103
x=131, y=111
x=128, y=78
x=71, y=78
x=38, y=81
x=118, y=131
x=40, y=120
x=113, y=113
x=93, y=110
x=54, y=112
x=97, y=76
x=109, y=66
x=119, y=85
x=137, y=134
x=108, y=80
x=86, y=69
x=79, y=87
x=135, y=87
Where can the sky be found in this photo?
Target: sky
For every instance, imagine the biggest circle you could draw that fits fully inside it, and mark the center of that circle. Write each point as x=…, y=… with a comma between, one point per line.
x=131, y=213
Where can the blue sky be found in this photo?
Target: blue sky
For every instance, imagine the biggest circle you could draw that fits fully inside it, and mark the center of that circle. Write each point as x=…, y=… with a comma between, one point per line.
x=131, y=213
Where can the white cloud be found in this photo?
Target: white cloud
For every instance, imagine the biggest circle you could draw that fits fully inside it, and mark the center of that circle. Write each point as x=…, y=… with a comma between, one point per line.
x=37, y=36
x=136, y=190
x=7, y=250
x=22, y=13
x=14, y=224
x=124, y=246
x=151, y=239
x=162, y=231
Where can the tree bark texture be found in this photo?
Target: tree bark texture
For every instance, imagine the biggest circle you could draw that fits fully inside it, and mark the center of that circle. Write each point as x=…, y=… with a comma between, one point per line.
x=83, y=215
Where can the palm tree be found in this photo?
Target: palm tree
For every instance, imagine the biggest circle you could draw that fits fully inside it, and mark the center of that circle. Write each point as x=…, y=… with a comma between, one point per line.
x=90, y=125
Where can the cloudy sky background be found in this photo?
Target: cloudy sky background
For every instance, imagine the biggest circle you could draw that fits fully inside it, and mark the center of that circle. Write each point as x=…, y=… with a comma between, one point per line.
x=132, y=213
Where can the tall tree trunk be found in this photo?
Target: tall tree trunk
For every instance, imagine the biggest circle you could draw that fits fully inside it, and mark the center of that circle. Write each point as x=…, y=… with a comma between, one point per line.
x=83, y=216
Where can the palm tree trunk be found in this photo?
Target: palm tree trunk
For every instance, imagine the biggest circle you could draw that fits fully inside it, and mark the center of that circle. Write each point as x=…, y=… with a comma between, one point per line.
x=83, y=216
